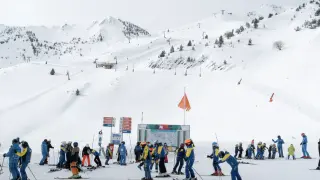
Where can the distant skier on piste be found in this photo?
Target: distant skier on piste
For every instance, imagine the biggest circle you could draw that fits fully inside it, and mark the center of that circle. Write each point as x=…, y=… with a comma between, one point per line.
x=279, y=142
x=232, y=161
x=304, y=144
x=155, y=159
x=13, y=159
x=96, y=157
x=189, y=158
x=180, y=154
x=274, y=151
x=270, y=151
x=146, y=158
x=49, y=146
x=236, y=151
x=215, y=157
x=108, y=154
x=68, y=149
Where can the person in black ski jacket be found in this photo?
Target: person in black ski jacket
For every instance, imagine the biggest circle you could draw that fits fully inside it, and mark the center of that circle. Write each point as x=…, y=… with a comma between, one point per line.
x=138, y=152
x=270, y=151
x=86, y=155
x=68, y=154
x=49, y=146
x=236, y=151
x=240, y=150
x=181, y=152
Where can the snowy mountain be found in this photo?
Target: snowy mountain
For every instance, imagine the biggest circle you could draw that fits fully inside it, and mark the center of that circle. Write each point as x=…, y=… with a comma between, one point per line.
x=21, y=44
x=215, y=56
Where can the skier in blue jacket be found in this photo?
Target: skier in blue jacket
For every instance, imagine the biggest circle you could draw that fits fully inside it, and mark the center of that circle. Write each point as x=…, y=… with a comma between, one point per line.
x=62, y=155
x=25, y=156
x=279, y=142
x=232, y=161
x=13, y=159
x=123, y=153
x=215, y=157
x=44, y=151
x=181, y=152
x=304, y=144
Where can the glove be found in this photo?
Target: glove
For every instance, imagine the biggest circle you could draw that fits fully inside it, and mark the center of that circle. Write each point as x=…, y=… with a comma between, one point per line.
x=300, y=144
x=4, y=155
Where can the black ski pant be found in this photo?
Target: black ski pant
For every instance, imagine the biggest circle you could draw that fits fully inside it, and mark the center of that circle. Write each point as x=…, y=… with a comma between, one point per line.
x=269, y=156
x=179, y=161
x=138, y=157
x=97, y=161
x=240, y=154
x=162, y=166
x=319, y=163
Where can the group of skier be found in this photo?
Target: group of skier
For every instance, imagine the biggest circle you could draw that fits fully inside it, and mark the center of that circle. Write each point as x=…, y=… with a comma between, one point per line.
x=157, y=154
x=257, y=152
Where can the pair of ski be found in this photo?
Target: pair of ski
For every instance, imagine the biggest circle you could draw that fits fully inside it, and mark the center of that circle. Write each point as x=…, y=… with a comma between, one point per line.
x=242, y=162
x=70, y=178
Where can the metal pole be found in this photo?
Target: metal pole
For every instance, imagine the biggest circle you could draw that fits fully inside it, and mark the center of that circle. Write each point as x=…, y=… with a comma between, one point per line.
x=142, y=118
x=184, y=110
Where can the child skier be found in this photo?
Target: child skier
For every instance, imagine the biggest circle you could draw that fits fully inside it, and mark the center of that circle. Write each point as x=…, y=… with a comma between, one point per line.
x=181, y=152
x=108, y=154
x=226, y=157
x=138, y=152
x=274, y=151
x=215, y=157
x=155, y=160
x=86, y=155
x=189, y=158
x=146, y=158
x=270, y=150
x=62, y=155
x=240, y=150
x=291, y=151
x=236, y=151
x=161, y=153
x=74, y=159
x=25, y=156
x=279, y=142
x=259, y=151
x=96, y=157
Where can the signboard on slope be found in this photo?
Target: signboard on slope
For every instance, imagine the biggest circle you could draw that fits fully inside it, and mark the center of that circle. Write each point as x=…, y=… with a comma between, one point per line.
x=116, y=138
x=125, y=125
x=109, y=121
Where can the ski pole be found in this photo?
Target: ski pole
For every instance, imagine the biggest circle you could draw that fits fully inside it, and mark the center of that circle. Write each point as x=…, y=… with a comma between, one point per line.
x=32, y=173
x=197, y=173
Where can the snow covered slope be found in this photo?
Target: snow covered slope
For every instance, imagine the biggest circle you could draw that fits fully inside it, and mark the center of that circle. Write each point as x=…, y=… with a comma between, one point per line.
x=35, y=105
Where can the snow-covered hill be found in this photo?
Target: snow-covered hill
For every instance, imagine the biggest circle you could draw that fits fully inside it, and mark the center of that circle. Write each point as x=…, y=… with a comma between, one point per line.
x=23, y=44
x=35, y=105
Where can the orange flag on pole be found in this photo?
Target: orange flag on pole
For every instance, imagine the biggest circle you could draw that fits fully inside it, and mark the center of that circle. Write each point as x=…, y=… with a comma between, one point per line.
x=184, y=103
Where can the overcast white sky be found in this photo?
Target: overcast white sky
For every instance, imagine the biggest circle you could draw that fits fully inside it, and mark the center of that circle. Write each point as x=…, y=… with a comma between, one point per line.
x=150, y=14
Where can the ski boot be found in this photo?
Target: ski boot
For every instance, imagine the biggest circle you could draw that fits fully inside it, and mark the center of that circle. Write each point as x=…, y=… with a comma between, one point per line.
x=77, y=176
x=180, y=173
x=220, y=173
x=174, y=172
x=308, y=157
x=318, y=168
x=194, y=178
x=139, y=167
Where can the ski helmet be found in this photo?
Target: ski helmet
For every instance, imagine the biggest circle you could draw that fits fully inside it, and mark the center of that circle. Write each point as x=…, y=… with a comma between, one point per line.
x=63, y=143
x=302, y=134
x=187, y=141
x=75, y=144
x=181, y=145
x=221, y=154
x=87, y=145
x=69, y=142
x=279, y=136
x=14, y=141
x=24, y=144
x=123, y=142
x=215, y=144
x=143, y=143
